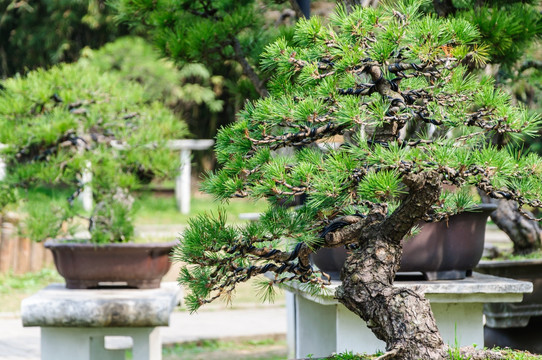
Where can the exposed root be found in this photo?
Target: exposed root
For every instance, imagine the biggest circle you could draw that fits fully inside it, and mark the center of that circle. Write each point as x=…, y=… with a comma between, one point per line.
x=471, y=353
x=389, y=355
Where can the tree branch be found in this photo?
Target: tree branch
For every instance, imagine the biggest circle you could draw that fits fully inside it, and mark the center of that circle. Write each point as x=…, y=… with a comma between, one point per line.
x=248, y=70
x=295, y=6
x=350, y=234
x=424, y=190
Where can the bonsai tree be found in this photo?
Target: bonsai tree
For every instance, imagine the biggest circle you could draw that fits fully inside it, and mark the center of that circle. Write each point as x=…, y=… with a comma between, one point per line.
x=363, y=78
x=63, y=123
x=183, y=90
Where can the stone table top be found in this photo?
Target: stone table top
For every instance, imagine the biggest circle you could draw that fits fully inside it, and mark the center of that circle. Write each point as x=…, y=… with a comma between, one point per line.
x=56, y=306
x=478, y=288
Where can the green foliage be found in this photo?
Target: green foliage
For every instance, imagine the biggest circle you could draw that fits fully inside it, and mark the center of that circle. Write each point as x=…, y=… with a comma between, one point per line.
x=41, y=33
x=61, y=122
x=225, y=36
x=508, y=27
x=357, y=80
x=135, y=59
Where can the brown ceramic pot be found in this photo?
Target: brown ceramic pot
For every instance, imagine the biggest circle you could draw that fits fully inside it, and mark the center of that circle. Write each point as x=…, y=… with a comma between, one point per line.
x=130, y=265
x=443, y=250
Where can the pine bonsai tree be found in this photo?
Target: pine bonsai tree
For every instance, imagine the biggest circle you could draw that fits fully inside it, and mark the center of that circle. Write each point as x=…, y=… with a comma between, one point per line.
x=184, y=90
x=366, y=76
x=71, y=119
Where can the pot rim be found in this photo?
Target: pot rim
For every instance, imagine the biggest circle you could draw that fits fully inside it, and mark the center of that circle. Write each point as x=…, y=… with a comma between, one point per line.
x=482, y=207
x=487, y=264
x=86, y=244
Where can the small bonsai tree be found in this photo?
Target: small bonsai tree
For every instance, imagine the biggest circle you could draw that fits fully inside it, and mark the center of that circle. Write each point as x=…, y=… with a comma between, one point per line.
x=61, y=123
x=363, y=78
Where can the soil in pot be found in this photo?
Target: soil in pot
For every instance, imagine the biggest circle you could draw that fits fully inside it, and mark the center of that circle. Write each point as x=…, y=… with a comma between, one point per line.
x=440, y=251
x=128, y=265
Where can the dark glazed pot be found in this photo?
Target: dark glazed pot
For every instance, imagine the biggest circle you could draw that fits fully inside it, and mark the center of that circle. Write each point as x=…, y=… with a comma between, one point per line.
x=443, y=250
x=130, y=265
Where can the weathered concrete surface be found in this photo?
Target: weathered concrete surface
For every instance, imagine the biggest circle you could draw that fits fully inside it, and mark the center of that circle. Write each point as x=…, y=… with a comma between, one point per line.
x=478, y=288
x=23, y=343
x=57, y=306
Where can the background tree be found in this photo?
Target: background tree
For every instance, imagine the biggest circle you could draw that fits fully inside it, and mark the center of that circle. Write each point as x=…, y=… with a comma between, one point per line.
x=226, y=36
x=376, y=70
x=42, y=33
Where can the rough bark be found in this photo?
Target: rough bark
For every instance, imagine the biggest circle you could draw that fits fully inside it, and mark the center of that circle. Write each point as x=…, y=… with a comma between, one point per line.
x=525, y=234
x=400, y=317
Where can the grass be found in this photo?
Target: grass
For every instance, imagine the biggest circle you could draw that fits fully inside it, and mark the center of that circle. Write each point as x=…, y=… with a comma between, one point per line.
x=14, y=288
x=257, y=349
x=162, y=210
x=454, y=355
x=508, y=255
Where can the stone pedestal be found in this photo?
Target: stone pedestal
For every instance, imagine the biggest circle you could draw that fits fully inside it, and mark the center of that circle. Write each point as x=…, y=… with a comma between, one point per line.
x=78, y=324
x=182, y=183
x=322, y=326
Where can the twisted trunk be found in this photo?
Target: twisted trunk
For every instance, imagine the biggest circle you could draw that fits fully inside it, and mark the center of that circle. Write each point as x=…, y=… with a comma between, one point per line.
x=525, y=234
x=400, y=317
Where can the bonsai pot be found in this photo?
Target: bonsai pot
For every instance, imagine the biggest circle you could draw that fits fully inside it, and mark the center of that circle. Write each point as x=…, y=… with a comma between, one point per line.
x=440, y=251
x=131, y=265
x=516, y=325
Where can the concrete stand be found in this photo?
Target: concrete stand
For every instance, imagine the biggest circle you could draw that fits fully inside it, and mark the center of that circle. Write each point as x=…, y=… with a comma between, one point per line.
x=321, y=326
x=79, y=324
x=182, y=183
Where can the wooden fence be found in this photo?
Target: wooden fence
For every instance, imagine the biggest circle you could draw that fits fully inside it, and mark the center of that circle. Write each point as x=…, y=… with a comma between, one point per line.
x=20, y=255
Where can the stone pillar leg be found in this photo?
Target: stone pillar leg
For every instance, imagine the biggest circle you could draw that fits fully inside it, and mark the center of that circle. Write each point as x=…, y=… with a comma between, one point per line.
x=98, y=350
x=291, y=324
x=64, y=344
x=147, y=344
x=182, y=183
x=460, y=324
x=316, y=328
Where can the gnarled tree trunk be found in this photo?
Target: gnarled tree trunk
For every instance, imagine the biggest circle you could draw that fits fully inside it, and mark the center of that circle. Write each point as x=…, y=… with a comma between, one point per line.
x=525, y=234
x=400, y=317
